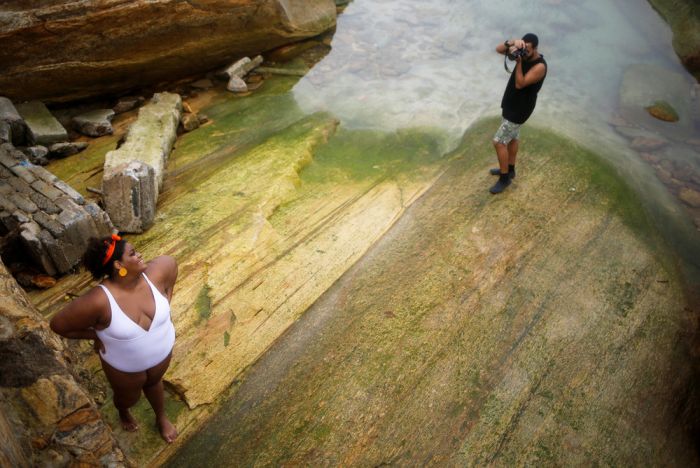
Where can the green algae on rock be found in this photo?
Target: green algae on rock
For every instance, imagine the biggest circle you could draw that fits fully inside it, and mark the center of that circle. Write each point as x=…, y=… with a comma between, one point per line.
x=543, y=326
x=684, y=18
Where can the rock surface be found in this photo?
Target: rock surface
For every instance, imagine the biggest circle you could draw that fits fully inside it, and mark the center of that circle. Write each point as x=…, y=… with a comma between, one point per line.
x=53, y=421
x=133, y=173
x=101, y=46
x=538, y=328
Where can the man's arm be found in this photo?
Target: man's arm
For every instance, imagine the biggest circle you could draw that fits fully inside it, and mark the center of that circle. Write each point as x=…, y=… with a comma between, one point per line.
x=533, y=75
x=510, y=44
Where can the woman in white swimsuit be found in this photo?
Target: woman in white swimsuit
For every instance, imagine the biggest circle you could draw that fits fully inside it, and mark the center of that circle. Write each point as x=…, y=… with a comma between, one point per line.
x=128, y=317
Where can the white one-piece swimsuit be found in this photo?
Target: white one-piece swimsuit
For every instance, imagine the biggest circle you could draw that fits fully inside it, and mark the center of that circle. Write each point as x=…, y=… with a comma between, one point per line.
x=130, y=348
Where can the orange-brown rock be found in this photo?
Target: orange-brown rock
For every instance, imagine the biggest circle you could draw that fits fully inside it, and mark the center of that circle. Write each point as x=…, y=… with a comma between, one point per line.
x=58, y=51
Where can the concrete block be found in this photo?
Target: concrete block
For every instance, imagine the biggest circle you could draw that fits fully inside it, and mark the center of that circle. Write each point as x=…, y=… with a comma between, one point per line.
x=95, y=123
x=130, y=196
x=44, y=203
x=43, y=127
x=29, y=237
x=55, y=251
x=68, y=190
x=23, y=172
x=48, y=223
x=133, y=174
x=23, y=202
x=49, y=191
x=12, y=118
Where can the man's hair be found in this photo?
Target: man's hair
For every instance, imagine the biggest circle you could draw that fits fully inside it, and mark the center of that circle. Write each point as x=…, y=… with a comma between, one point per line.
x=531, y=39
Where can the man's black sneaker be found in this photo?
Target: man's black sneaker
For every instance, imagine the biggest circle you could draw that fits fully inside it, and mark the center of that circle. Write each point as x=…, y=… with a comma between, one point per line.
x=500, y=186
x=497, y=171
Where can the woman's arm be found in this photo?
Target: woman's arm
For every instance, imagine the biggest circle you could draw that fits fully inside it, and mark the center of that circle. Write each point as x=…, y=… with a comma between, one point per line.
x=163, y=272
x=79, y=319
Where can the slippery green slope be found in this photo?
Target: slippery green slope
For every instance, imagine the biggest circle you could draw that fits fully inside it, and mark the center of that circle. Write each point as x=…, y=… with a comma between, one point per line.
x=542, y=326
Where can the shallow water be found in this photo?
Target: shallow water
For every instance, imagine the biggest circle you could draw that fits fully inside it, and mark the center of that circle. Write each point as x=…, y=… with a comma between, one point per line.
x=414, y=63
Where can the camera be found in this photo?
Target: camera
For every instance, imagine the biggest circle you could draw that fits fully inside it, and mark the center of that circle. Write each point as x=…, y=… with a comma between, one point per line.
x=517, y=53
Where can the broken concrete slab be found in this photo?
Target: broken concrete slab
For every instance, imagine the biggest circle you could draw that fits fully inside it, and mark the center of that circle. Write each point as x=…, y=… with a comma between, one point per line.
x=95, y=123
x=11, y=123
x=133, y=173
x=43, y=127
x=53, y=221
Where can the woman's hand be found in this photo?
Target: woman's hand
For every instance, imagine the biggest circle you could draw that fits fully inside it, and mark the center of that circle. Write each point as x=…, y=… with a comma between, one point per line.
x=98, y=346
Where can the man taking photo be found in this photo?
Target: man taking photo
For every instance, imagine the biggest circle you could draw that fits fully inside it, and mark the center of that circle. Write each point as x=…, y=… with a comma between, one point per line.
x=518, y=102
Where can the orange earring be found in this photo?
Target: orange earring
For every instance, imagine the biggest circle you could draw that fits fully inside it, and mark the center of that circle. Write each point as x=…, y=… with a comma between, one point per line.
x=122, y=272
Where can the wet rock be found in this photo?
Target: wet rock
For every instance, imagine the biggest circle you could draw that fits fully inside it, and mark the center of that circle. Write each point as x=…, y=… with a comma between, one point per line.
x=242, y=67
x=647, y=144
x=61, y=150
x=133, y=173
x=95, y=123
x=204, y=83
x=662, y=110
x=58, y=49
x=43, y=127
x=237, y=85
x=190, y=122
x=37, y=154
x=690, y=197
x=128, y=103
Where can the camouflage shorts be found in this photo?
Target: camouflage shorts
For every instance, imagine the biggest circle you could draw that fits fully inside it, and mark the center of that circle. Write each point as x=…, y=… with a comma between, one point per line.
x=506, y=132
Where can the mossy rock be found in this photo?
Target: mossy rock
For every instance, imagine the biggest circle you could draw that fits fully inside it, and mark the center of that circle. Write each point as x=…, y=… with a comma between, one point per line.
x=662, y=110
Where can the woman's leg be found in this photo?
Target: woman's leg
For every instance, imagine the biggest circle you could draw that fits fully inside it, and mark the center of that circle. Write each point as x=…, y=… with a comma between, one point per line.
x=127, y=391
x=153, y=389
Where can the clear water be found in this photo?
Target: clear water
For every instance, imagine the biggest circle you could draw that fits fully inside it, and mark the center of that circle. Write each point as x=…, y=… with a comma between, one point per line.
x=433, y=63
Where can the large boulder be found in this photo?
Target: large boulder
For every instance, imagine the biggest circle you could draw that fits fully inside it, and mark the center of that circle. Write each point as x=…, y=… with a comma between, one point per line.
x=74, y=49
x=684, y=18
x=46, y=417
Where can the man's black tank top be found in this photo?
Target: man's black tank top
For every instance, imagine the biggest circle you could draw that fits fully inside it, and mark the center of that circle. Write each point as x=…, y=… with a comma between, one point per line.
x=518, y=104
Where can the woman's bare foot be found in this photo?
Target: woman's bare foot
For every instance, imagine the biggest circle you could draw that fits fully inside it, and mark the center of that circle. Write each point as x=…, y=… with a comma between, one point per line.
x=129, y=424
x=167, y=430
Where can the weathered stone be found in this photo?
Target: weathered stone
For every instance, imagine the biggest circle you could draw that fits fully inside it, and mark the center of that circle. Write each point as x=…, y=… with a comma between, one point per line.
x=133, y=173
x=82, y=63
x=126, y=104
x=237, y=85
x=39, y=397
x=54, y=398
x=690, y=197
x=95, y=123
x=37, y=154
x=23, y=202
x=103, y=224
x=61, y=150
x=5, y=132
x=56, y=252
x=47, y=190
x=48, y=223
x=23, y=172
x=12, y=121
x=68, y=190
x=44, y=175
x=43, y=203
x=6, y=204
x=29, y=236
x=43, y=127
x=9, y=157
x=190, y=122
